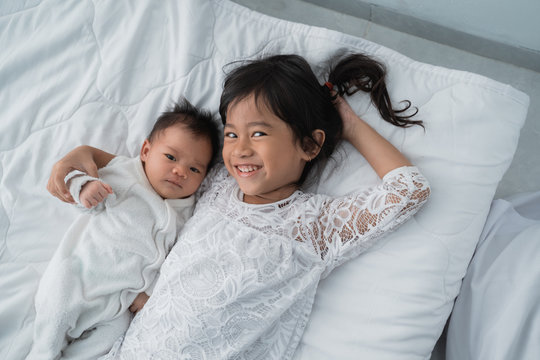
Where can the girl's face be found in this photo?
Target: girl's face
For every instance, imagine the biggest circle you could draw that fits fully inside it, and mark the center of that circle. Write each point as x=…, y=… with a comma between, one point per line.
x=175, y=162
x=261, y=153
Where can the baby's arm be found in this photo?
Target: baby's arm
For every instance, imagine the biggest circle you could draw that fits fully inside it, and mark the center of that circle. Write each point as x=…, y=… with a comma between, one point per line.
x=139, y=302
x=87, y=190
x=143, y=297
x=84, y=158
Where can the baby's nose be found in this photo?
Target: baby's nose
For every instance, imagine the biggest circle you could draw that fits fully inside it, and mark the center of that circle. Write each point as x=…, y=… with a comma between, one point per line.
x=180, y=171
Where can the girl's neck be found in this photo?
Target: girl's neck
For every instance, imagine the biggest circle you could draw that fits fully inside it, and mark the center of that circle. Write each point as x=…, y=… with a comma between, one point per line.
x=272, y=197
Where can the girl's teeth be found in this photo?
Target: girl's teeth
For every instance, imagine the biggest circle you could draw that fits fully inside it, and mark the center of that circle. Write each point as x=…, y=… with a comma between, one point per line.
x=247, y=168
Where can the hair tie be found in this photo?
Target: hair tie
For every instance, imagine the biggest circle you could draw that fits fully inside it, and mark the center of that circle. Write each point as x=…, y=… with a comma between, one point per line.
x=330, y=87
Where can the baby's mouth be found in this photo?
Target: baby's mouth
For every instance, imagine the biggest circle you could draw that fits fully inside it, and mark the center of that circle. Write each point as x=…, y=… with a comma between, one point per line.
x=174, y=183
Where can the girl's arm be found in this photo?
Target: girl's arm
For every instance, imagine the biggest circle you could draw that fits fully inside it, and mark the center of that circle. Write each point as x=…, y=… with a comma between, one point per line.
x=351, y=224
x=83, y=158
x=380, y=153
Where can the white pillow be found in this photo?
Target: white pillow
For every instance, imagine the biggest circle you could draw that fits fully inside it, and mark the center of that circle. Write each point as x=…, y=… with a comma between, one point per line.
x=100, y=72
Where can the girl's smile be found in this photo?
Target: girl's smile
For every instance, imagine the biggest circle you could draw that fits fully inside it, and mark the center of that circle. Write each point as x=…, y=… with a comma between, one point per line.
x=247, y=170
x=261, y=152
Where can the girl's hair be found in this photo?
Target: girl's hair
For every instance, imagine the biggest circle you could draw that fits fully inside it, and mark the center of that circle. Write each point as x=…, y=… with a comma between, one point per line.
x=199, y=121
x=290, y=89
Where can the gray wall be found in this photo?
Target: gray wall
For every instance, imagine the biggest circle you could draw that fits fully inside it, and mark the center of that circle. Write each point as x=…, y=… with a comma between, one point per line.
x=506, y=30
x=513, y=22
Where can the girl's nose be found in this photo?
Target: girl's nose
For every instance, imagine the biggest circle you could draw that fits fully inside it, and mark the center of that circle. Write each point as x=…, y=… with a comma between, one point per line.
x=242, y=149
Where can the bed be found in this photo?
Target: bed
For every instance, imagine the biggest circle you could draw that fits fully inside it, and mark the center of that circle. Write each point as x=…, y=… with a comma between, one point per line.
x=99, y=72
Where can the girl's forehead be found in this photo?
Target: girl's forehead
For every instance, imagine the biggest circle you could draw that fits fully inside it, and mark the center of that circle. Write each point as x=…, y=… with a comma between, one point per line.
x=250, y=105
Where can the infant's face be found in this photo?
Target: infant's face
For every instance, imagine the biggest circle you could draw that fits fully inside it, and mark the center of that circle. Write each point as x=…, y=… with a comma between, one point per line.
x=175, y=162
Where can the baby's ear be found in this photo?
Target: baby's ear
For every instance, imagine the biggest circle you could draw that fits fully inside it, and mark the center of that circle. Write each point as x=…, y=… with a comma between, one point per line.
x=145, y=148
x=312, y=146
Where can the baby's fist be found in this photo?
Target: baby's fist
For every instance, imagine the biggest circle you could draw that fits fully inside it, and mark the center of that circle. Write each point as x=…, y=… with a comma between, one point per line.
x=94, y=192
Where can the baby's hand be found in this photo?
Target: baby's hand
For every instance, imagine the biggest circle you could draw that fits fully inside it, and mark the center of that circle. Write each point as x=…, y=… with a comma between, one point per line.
x=94, y=192
x=139, y=302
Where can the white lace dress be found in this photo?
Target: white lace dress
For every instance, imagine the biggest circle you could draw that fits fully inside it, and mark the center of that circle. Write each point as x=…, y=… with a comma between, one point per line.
x=241, y=279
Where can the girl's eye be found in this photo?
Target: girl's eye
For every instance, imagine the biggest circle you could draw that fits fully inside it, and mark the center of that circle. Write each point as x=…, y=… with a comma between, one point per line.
x=170, y=157
x=195, y=170
x=230, y=135
x=258, y=133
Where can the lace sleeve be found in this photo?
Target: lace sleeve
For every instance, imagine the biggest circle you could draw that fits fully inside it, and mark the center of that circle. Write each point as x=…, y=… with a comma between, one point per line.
x=350, y=225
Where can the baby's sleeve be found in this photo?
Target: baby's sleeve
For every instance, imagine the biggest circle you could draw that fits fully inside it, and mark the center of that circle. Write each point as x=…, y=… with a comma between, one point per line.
x=75, y=181
x=150, y=290
x=347, y=226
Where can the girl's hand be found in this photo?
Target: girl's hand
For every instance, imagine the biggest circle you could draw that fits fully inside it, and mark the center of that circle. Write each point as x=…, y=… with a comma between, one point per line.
x=82, y=158
x=139, y=302
x=348, y=117
x=94, y=192
x=379, y=152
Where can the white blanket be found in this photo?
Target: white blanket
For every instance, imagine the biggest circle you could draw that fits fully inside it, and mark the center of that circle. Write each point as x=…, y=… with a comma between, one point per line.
x=99, y=72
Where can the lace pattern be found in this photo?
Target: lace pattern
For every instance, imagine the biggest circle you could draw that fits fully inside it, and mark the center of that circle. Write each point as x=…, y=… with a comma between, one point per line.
x=241, y=279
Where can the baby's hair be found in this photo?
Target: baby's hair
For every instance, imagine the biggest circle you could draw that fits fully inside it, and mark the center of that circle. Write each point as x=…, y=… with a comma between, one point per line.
x=287, y=85
x=199, y=121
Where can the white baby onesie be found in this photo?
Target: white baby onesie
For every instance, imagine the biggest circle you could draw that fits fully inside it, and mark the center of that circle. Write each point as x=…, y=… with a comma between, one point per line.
x=107, y=257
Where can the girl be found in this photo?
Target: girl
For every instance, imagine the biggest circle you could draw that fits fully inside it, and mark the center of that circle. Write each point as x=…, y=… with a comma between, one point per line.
x=241, y=280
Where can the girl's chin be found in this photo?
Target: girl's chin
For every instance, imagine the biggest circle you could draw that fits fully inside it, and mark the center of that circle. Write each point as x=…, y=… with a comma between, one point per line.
x=248, y=191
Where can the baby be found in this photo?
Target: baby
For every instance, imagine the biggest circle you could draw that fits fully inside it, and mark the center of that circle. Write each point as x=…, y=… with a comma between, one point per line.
x=109, y=259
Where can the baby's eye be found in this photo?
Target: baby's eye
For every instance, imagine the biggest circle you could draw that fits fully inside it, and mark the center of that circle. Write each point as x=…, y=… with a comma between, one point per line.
x=195, y=170
x=258, y=133
x=230, y=135
x=170, y=157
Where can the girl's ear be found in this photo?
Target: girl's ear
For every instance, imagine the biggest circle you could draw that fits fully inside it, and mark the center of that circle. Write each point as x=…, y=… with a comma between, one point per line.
x=312, y=148
x=145, y=149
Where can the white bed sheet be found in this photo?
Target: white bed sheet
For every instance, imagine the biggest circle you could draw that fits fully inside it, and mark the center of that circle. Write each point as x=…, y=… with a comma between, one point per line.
x=99, y=72
x=497, y=313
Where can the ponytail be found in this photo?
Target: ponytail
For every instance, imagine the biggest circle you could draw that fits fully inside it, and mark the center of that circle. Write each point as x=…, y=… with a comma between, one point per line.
x=357, y=72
